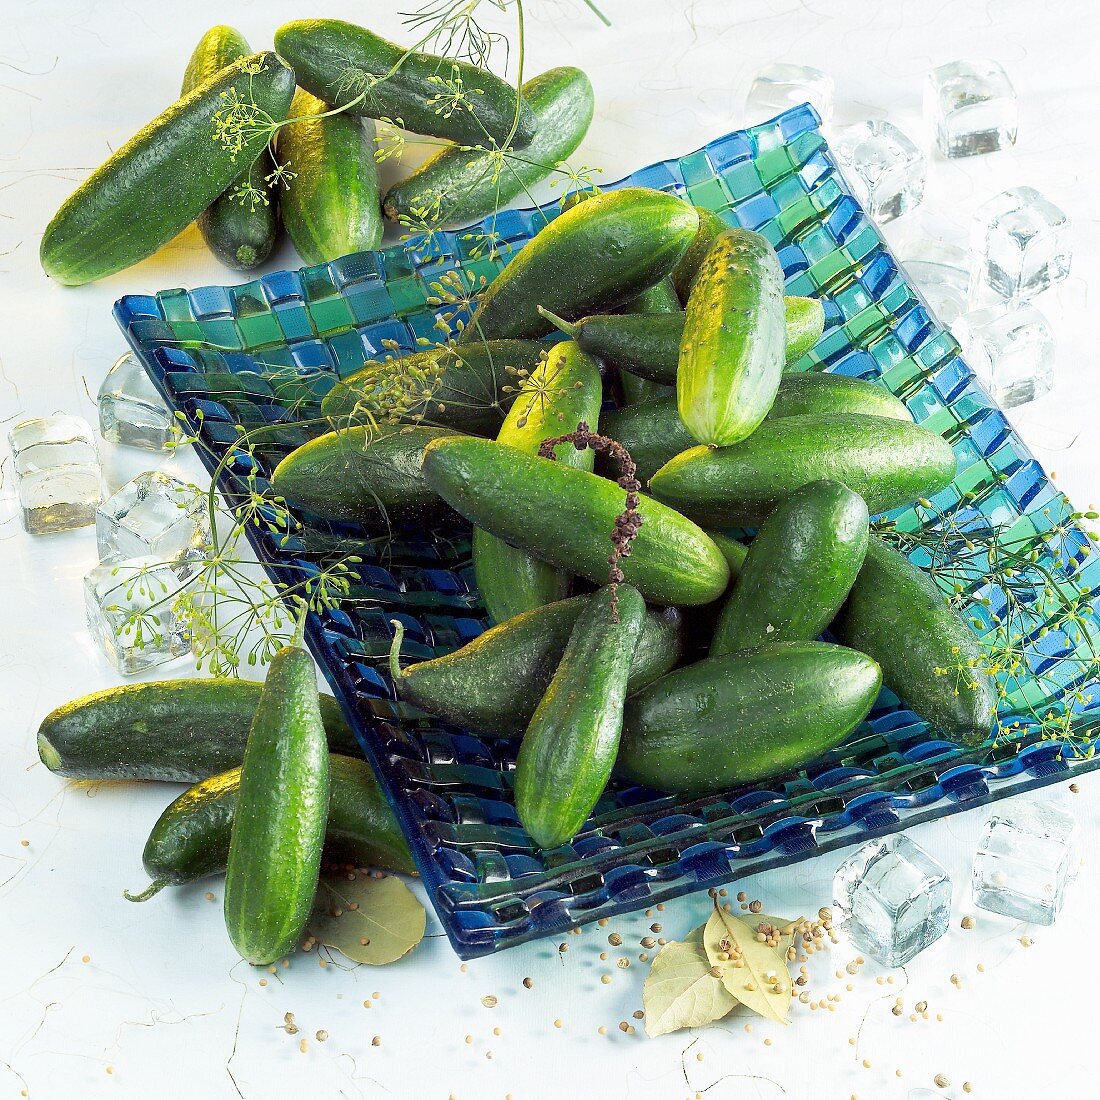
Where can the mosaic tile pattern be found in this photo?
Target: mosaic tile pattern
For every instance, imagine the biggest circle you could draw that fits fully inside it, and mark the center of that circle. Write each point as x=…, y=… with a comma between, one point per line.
x=280, y=342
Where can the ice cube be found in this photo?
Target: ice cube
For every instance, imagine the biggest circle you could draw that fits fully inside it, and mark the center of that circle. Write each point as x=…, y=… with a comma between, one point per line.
x=893, y=899
x=941, y=272
x=1026, y=857
x=135, y=613
x=58, y=478
x=885, y=168
x=131, y=411
x=155, y=515
x=781, y=86
x=971, y=108
x=1011, y=350
x=1021, y=241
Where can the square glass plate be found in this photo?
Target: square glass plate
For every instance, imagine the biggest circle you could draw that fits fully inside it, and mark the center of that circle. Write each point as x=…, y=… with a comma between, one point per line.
x=265, y=353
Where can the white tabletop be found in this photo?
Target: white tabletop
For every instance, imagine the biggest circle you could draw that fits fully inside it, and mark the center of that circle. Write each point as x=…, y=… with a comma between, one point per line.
x=101, y=997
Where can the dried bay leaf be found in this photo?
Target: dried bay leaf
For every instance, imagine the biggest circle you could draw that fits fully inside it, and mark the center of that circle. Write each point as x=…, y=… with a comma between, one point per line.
x=764, y=968
x=680, y=990
x=383, y=912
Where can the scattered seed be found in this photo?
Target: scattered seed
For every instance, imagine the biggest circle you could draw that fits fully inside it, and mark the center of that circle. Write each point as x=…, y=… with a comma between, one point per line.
x=209, y=895
x=866, y=1063
x=605, y=978
x=647, y=941
x=967, y=922
x=463, y=968
x=528, y=983
x=623, y=1026
x=557, y=1023
x=366, y=1004
x=1025, y=941
x=85, y=958
x=377, y=1040
x=469, y=1040
x=303, y=1046
x=614, y=939
x=622, y=963
x=967, y=1086
x=654, y=927
x=756, y=906
x=601, y=1030
x=321, y=1036
x=941, y=1081
x=1074, y=789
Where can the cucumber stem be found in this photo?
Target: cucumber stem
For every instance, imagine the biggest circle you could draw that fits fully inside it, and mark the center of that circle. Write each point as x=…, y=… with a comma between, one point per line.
x=154, y=887
x=395, y=650
x=299, y=639
x=569, y=329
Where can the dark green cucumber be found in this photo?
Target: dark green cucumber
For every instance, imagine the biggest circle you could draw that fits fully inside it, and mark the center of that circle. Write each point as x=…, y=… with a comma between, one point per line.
x=929, y=656
x=331, y=207
x=124, y=212
x=357, y=475
x=190, y=840
x=342, y=63
x=494, y=683
x=467, y=184
x=565, y=390
x=732, y=352
x=278, y=828
x=471, y=387
x=567, y=516
x=569, y=748
x=798, y=571
x=650, y=345
x=890, y=463
x=733, y=551
x=178, y=731
x=241, y=225
x=684, y=273
x=597, y=254
x=730, y=720
x=658, y=299
x=654, y=434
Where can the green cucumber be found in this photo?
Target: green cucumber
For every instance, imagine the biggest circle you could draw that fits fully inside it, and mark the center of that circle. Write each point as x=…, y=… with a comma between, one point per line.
x=563, y=391
x=649, y=345
x=340, y=63
x=730, y=720
x=278, y=828
x=469, y=388
x=600, y=253
x=241, y=225
x=930, y=658
x=658, y=299
x=732, y=351
x=569, y=748
x=190, y=840
x=733, y=551
x=654, y=434
x=178, y=731
x=567, y=516
x=467, y=184
x=890, y=463
x=494, y=683
x=356, y=475
x=798, y=571
x=711, y=227
x=124, y=211
x=331, y=206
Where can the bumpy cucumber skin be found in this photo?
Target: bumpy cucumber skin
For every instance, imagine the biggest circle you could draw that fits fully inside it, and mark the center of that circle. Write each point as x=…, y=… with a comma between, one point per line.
x=353, y=474
x=469, y=396
x=888, y=462
x=805, y=324
x=567, y=753
x=730, y=720
x=190, y=840
x=240, y=234
x=686, y=270
x=328, y=54
x=494, y=683
x=566, y=517
x=123, y=212
x=465, y=185
x=565, y=390
x=282, y=806
x=654, y=433
x=177, y=731
x=598, y=254
x=732, y=352
x=332, y=206
x=798, y=571
x=898, y=615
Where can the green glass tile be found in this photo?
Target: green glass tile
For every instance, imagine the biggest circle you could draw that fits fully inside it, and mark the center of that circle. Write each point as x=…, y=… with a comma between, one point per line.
x=407, y=296
x=865, y=323
x=774, y=165
x=710, y=194
x=798, y=214
x=318, y=284
x=897, y=298
x=772, y=232
x=862, y=244
x=852, y=298
x=828, y=268
x=974, y=478
x=802, y=285
x=826, y=193
x=888, y=351
x=187, y=330
x=176, y=305
x=696, y=168
x=789, y=191
x=481, y=268
x=259, y=329
x=222, y=331
x=741, y=180
x=249, y=299
x=934, y=351
x=331, y=314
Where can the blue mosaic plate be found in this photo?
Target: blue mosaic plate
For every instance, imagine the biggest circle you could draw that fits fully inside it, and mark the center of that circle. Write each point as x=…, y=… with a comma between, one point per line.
x=294, y=333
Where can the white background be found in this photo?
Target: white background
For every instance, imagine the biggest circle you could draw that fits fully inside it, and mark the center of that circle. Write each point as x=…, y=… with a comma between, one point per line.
x=161, y=1000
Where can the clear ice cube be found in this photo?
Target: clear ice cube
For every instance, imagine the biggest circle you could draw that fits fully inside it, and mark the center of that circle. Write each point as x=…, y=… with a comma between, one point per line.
x=893, y=899
x=1011, y=350
x=884, y=167
x=941, y=272
x=971, y=108
x=1027, y=855
x=131, y=411
x=780, y=86
x=155, y=515
x=58, y=478
x=134, y=612
x=1021, y=241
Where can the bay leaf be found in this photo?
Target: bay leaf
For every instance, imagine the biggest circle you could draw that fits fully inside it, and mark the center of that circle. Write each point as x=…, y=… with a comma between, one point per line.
x=764, y=969
x=680, y=990
x=370, y=920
